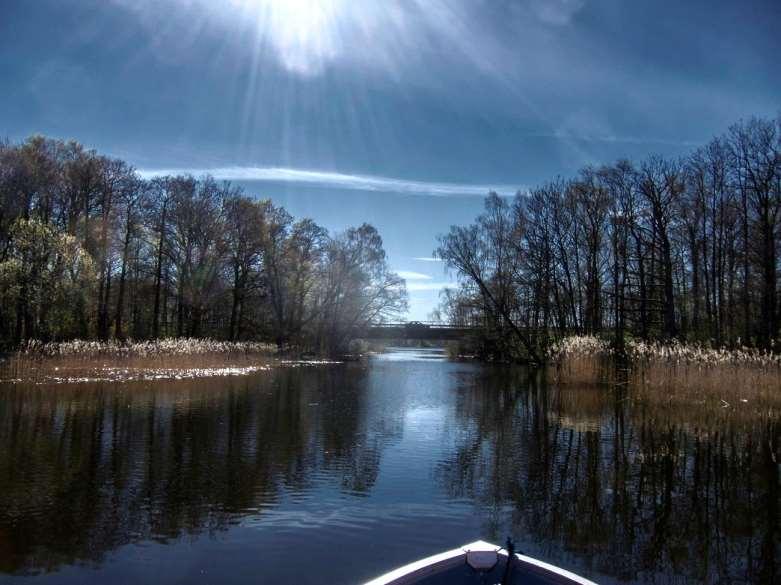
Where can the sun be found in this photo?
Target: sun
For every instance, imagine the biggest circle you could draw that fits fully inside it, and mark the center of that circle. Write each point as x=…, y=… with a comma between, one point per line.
x=304, y=33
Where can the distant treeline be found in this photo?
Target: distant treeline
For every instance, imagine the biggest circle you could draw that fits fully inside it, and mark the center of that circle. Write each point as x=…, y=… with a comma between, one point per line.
x=685, y=248
x=90, y=250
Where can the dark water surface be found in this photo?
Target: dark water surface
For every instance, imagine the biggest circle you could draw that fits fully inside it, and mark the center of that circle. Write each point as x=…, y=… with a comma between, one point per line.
x=335, y=473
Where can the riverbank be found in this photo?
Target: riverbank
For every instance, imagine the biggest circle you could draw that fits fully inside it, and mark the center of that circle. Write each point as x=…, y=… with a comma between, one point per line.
x=113, y=361
x=165, y=359
x=142, y=349
x=418, y=451
x=675, y=374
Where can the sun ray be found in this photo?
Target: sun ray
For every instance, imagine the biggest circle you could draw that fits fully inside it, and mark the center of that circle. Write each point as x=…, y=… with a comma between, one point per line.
x=304, y=33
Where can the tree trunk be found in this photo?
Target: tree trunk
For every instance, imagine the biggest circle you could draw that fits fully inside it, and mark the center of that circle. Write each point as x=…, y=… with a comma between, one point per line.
x=118, y=333
x=158, y=274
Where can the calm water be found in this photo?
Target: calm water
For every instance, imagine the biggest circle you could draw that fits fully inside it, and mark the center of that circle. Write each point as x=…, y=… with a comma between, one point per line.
x=333, y=474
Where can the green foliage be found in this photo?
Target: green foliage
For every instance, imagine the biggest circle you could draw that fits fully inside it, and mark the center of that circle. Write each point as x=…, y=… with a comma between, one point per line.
x=45, y=274
x=90, y=250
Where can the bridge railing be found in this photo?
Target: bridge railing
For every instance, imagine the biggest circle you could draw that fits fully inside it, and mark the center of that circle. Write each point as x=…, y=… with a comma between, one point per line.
x=418, y=325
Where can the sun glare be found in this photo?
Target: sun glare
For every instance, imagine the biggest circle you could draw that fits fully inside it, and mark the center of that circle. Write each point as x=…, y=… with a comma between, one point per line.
x=303, y=32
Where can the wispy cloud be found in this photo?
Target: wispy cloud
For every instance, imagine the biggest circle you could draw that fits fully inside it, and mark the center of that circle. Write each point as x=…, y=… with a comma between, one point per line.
x=556, y=12
x=427, y=259
x=337, y=180
x=411, y=275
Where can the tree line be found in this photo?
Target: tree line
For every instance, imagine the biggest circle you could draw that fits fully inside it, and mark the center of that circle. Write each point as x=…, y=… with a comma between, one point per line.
x=683, y=248
x=91, y=250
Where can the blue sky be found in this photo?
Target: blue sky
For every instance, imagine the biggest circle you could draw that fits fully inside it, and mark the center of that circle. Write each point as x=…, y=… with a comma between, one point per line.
x=398, y=112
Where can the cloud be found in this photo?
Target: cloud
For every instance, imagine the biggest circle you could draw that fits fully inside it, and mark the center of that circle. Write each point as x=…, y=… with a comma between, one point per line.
x=308, y=37
x=337, y=180
x=410, y=275
x=426, y=259
x=556, y=12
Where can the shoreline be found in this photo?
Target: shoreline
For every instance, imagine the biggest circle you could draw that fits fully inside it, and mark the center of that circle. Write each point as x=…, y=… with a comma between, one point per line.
x=170, y=359
x=673, y=369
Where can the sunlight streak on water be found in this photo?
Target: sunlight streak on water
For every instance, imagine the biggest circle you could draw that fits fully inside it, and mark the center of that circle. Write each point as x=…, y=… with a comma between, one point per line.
x=411, y=354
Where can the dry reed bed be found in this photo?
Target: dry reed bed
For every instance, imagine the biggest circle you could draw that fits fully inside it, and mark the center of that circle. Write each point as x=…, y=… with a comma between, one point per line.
x=672, y=352
x=743, y=379
x=167, y=359
x=155, y=348
x=80, y=361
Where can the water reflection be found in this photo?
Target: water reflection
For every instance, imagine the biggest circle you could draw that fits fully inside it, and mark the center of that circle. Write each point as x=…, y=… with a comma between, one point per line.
x=87, y=469
x=626, y=492
x=361, y=467
x=412, y=354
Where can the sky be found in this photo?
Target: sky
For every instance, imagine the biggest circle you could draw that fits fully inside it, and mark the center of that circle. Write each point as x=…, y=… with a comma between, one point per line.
x=402, y=113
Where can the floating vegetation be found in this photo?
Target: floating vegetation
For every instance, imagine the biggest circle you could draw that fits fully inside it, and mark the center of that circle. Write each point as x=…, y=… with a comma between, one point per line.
x=139, y=374
x=304, y=363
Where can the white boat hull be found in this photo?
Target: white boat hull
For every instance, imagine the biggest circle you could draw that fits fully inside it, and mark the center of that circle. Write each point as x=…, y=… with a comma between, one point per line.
x=472, y=563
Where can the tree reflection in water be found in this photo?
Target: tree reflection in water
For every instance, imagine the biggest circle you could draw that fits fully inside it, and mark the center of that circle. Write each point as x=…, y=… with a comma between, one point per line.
x=589, y=477
x=86, y=469
x=631, y=489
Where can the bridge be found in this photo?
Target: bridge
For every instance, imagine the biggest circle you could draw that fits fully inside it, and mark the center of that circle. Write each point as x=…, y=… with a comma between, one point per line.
x=417, y=330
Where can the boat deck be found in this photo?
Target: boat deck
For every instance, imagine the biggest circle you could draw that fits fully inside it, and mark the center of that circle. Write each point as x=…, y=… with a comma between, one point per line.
x=463, y=574
x=479, y=563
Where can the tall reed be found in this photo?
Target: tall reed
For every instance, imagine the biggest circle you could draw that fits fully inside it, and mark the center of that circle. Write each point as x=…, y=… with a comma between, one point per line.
x=153, y=348
x=676, y=373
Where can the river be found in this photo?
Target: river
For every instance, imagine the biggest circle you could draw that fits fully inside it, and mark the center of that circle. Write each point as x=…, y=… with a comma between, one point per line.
x=332, y=474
